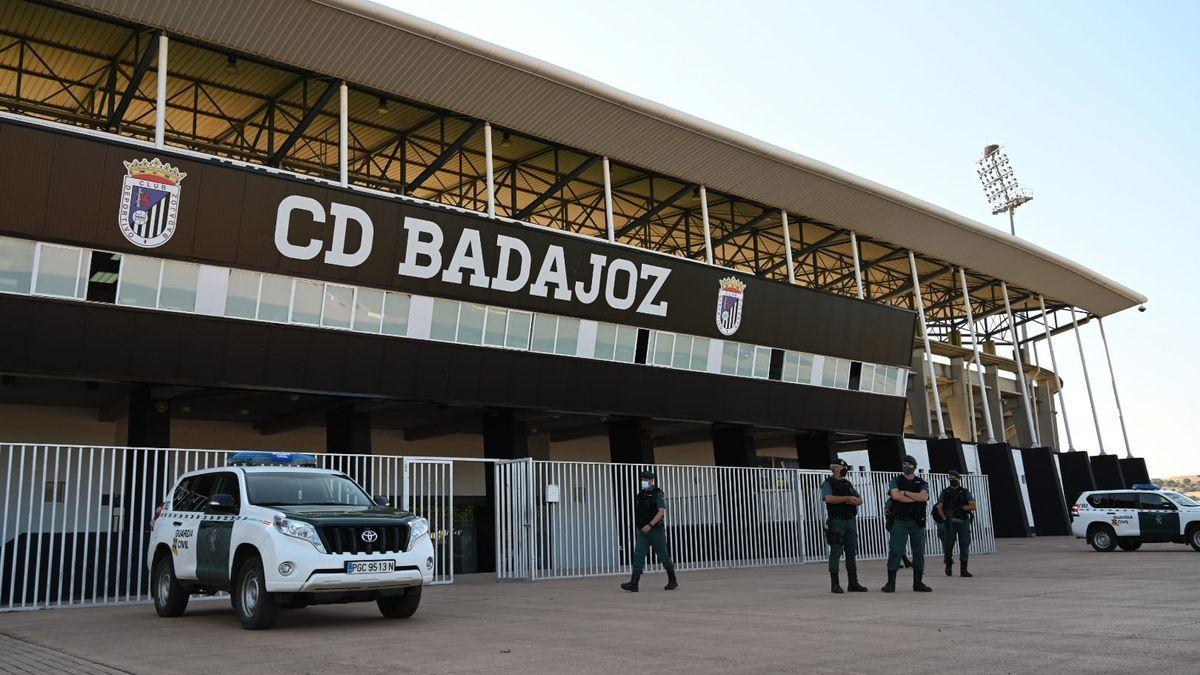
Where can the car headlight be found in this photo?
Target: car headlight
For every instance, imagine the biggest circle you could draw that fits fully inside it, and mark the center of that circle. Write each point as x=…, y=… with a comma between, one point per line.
x=300, y=530
x=417, y=528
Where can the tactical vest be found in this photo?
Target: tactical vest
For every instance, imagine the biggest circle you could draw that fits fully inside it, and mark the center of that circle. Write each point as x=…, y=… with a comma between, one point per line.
x=841, y=488
x=956, y=498
x=913, y=510
x=646, y=506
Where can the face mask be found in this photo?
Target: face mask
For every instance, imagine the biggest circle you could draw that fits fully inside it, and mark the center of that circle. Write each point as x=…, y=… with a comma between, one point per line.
x=953, y=483
x=909, y=470
x=645, y=485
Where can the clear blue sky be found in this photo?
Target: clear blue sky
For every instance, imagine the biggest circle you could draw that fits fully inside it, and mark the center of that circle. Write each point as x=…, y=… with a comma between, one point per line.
x=1096, y=102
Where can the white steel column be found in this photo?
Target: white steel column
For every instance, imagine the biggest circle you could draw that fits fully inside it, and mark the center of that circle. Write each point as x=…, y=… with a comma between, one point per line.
x=708, y=252
x=343, y=134
x=1062, y=402
x=857, y=267
x=937, y=398
x=608, y=206
x=787, y=246
x=1087, y=381
x=489, y=166
x=1113, y=375
x=160, y=106
x=987, y=413
x=1012, y=329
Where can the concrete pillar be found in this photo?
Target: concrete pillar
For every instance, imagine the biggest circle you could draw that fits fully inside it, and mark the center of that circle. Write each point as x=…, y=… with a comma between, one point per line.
x=956, y=400
x=733, y=445
x=815, y=449
x=631, y=441
x=348, y=430
x=149, y=426
x=918, y=395
x=504, y=437
x=1024, y=435
x=885, y=452
x=991, y=379
x=1047, y=415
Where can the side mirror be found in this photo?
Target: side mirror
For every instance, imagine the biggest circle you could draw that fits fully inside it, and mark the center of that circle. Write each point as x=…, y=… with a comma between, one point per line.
x=222, y=503
x=380, y=500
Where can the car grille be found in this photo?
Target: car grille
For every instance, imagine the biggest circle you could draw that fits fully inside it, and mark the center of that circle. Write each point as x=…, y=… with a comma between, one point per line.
x=349, y=538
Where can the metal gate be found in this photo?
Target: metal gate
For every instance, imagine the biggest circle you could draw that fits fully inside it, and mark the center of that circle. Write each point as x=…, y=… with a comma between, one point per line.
x=574, y=519
x=75, y=520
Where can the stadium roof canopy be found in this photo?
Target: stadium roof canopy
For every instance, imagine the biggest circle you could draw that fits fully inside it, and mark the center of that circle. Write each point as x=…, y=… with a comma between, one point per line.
x=441, y=84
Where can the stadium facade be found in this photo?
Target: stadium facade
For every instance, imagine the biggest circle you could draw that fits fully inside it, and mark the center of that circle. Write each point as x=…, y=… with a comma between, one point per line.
x=307, y=225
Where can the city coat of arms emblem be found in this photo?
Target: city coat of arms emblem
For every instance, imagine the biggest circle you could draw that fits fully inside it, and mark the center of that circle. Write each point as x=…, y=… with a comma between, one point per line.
x=729, y=305
x=149, y=202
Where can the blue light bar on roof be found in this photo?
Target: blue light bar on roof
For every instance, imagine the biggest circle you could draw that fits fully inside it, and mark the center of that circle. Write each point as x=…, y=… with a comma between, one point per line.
x=272, y=459
x=1144, y=486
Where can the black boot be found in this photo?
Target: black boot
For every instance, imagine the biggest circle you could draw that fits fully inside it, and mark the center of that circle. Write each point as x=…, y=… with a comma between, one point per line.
x=949, y=566
x=835, y=585
x=632, y=584
x=890, y=586
x=918, y=586
x=671, y=583
x=905, y=561
x=854, y=586
x=962, y=571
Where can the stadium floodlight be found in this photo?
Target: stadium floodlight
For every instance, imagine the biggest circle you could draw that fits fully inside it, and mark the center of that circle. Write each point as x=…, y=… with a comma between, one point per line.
x=1000, y=185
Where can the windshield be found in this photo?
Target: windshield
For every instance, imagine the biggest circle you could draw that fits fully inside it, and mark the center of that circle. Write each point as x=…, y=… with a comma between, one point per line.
x=1182, y=500
x=303, y=489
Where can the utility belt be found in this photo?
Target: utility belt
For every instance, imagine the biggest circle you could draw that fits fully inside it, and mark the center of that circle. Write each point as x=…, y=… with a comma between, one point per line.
x=918, y=519
x=832, y=536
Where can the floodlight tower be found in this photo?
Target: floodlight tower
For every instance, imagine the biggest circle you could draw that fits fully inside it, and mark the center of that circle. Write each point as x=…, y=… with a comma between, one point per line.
x=1000, y=184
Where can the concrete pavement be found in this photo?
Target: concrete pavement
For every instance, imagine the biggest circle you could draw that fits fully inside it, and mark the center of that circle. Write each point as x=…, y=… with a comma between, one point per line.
x=1048, y=604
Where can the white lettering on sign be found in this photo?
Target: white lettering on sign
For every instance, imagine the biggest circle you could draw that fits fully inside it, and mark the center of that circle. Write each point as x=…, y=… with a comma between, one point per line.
x=342, y=215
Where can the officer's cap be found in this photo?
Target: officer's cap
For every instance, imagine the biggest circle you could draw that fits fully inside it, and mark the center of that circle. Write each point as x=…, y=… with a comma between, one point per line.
x=954, y=473
x=909, y=459
x=647, y=473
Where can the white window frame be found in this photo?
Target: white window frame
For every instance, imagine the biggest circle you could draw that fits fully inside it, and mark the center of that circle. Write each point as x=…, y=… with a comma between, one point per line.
x=353, y=304
x=37, y=263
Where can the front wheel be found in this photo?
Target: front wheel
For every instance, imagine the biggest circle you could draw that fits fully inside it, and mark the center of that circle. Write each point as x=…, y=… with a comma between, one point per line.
x=1103, y=539
x=400, y=606
x=170, y=597
x=1129, y=545
x=1194, y=538
x=256, y=607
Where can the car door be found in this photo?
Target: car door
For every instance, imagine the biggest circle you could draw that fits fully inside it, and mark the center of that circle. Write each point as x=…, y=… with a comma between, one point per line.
x=187, y=507
x=1122, y=513
x=215, y=532
x=1158, y=518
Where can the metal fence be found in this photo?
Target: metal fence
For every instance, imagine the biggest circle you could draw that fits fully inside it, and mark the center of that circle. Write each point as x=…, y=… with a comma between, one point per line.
x=76, y=520
x=573, y=519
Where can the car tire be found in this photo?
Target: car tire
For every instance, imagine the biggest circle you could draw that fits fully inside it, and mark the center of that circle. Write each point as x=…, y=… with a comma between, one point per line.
x=1129, y=545
x=256, y=607
x=1194, y=537
x=400, y=606
x=1103, y=539
x=170, y=596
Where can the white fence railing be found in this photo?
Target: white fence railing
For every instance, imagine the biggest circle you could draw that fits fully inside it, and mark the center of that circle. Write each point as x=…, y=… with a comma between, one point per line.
x=75, y=520
x=572, y=519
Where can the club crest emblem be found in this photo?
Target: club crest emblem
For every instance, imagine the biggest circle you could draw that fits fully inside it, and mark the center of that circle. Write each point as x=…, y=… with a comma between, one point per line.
x=729, y=305
x=149, y=202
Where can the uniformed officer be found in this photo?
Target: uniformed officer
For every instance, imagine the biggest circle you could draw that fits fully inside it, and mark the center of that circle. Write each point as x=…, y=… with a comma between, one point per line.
x=650, y=508
x=910, y=500
x=841, y=527
x=889, y=517
x=956, y=506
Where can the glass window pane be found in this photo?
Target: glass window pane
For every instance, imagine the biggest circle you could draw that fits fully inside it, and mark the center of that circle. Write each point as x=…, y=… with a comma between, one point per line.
x=445, y=320
x=729, y=358
x=16, y=265
x=58, y=273
x=338, y=303
x=274, y=299
x=866, y=379
x=368, y=310
x=804, y=369
x=745, y=366
x=470, y=324
x=395, y=313
x=880, y=384
x=683, y=352
x=664, y=343
x=306, y=302
x=606, y=341
x=762, y=362
x=829, y=374
x=544, y=328
x=568, y=336
x=493, y=333
x=178, y=286
x=626, y=351
x=242, y=294
x=843, y=374
x=791, y=366
x=139, y=281
x=700, y=354
x=517, y=336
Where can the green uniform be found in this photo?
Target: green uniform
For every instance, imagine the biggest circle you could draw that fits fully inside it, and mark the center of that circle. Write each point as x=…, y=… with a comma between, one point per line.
x=647, y=505
x=909, y=525
x=842, y=525
x=957, y=525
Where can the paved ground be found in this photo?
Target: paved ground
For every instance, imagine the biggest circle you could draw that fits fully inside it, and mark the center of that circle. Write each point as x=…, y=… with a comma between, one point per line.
x=1039, y=605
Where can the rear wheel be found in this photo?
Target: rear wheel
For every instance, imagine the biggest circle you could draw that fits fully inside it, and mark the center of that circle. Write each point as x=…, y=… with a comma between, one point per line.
x=1129, y=545
x=170, y=597
x=1103, y=539
x=400, y=606
x=256, y=607
x=1194, y=537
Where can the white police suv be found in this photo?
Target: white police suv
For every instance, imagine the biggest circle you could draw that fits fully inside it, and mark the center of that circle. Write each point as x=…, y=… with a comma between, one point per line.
x=1130, y=518
x=278, y=533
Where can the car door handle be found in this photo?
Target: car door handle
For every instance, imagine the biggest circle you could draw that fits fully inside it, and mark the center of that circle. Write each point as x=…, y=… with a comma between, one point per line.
x=177, y=524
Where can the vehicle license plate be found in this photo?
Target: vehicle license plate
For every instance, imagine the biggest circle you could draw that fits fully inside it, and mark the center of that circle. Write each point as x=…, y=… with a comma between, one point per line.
x=371, y=567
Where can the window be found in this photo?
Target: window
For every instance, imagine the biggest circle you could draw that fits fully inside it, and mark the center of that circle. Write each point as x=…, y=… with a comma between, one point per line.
x=445, y=320
x=274, y=298
x=139, y=281
x=1121, y=500
x=567, y=343
x=306, y=302
x=395, y=313
x=729, y=354
x=866, y=377
x=470, y=324
x=225, y=483
x=338, y=306
x=178, y=286
x=103, y=270
x=1156, y=502
x=762, y=362
x=58, y=272
x=192, y=493
x=241, y=295
x=606, y=341
x=493, y=326
x=627, y=338
x=683, y=352
x=517, y=334
x=16, y=265
x=368, y=310
x=700, y=353
x=745, y=362
x=664, y=345
x=544, y=329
